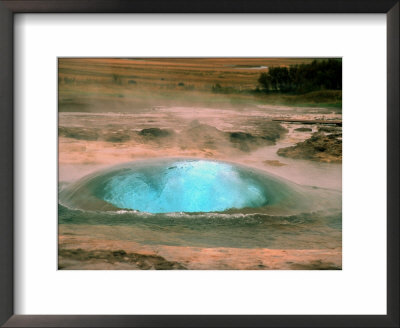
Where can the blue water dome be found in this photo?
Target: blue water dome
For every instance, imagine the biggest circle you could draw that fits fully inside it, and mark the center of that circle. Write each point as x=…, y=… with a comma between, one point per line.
x=184, y=186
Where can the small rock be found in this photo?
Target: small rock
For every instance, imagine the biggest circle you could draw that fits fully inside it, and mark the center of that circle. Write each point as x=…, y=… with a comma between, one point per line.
x=274, y=163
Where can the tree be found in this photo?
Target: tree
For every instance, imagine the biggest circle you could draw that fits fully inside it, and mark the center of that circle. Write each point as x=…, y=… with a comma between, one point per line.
x=319, y=75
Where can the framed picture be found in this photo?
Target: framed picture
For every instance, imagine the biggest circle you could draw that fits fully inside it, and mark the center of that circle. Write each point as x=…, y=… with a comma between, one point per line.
x=162, y=165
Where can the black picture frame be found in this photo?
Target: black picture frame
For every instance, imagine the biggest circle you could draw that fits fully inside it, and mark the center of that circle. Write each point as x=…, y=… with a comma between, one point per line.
x=10, y=7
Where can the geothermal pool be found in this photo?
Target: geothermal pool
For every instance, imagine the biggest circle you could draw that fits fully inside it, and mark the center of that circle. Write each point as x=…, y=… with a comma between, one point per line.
x=187, y=205
x=185, y=185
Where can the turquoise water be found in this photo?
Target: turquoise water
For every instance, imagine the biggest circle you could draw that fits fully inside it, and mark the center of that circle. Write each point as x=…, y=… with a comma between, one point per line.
x=184, y=186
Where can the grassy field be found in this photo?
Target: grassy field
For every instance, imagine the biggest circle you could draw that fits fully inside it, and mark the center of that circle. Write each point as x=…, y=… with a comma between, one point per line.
x=118, y=84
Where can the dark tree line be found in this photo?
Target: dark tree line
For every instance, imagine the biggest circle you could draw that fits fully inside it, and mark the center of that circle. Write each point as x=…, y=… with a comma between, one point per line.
x=319, y=75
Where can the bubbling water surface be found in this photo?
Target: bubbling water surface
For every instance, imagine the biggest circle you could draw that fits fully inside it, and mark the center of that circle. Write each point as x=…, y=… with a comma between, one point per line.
x=184, y=186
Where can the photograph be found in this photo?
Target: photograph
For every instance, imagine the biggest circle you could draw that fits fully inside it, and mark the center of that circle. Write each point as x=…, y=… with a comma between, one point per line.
x=199, y=163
